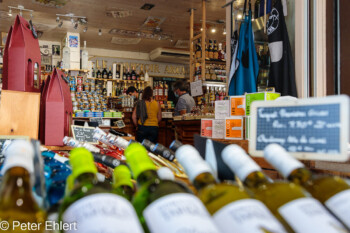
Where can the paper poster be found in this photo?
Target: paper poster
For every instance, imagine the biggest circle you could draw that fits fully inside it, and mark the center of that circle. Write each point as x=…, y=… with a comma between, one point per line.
x=237, y=107
x=218, y=129
x=222, y=109
x=206, y=127
x=196, y=88
x=73, y=41
x=234, y=128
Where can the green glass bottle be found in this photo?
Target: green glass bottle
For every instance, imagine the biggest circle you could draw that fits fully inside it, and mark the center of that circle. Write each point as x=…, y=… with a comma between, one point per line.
x=164, y=205
x=122, y=184
x=289, y=202
x=232, y=208
x=332, y=191
x=18, y=210
x=90, y=207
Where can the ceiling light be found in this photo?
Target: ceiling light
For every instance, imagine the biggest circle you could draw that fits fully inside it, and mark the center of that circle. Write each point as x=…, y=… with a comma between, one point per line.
x=201, y=29
x=31, y=14
x=213, y=30
x=60, y=24
x=224, y=32
x=99, y=32
x=10, y=12
x=239, y=16
x=85, y=29
x=57, y=19
x=76, y=25
x=72, y=20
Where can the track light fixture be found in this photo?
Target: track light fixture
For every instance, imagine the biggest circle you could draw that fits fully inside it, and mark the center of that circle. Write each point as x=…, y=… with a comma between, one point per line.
x=60, y=24
x=224, y=32
x=57, y=19
x=76, y=25
x=10, y=12
x=100, y=32
x=85, y=29
x=20, y=8
x=75, y=20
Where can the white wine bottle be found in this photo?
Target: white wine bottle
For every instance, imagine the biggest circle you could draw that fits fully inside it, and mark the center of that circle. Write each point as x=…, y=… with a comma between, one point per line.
x=89, y=206
x=289, y=202
x=164, y=205
x=232, y=208
x=332, y=191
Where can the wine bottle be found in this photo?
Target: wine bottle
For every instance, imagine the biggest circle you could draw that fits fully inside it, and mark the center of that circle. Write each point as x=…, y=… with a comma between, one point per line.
x=159, y=149
x=215, y=50
x=84, y=58
x=17, y=204
x=110, y=74
x=104, y=72
x=133, y=74
x=232, y=208
x=164, y=205
x=117, y=72
x=211, y=49
x=290, y=203
x=90, y=205
x=122, y=184
x=142, y=74
x=332, y=191
x=198, y=49
x=128, y=74
x=175, y=145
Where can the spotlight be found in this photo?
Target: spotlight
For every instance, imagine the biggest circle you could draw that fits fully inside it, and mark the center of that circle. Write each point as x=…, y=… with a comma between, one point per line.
x=57, y=19
x=239, y=16
x=99, y=32
x=160, y=37
x=213, y=30
x=10, y=12
x=224, y=32
x=201, y=29
x=76, y=25
x=31, y=14
x=85, y=29
x=60, y=24
x=72, y=20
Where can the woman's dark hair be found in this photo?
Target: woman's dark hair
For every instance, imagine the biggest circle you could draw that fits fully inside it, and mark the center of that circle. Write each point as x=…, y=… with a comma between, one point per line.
x=131, y=89
x=147, y=93
x=181, y=85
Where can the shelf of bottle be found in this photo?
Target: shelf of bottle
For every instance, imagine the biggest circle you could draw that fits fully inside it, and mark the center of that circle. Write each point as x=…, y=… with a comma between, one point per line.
x=211, y=61
x=214, y=83
x=80, y=70
x=119, y=80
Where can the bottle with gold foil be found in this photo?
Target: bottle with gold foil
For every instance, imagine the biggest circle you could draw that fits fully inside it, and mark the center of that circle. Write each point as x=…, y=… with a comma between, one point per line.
x=122, y=184
x=90, y=207
x=290, y=203
x=17, y=205
x=332, y=191
x=164, y=205
x=231, y=207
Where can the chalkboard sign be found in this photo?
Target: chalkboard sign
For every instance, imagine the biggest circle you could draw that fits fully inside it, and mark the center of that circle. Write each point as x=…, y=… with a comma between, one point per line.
x=83, y=134
x=310, y=129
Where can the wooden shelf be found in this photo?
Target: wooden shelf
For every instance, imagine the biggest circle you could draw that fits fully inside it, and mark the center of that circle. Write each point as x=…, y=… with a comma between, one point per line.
x=85, y=118
x=59, y=148
x=85, y=71
x=119, y=80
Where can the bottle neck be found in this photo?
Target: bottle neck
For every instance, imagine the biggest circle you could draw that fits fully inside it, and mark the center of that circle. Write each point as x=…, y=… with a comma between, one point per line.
x=256, y=179
x=300, y=176
x=147, y=176
x=203, y=180
x=86, y=178
x=124, y=191
x=16, y=184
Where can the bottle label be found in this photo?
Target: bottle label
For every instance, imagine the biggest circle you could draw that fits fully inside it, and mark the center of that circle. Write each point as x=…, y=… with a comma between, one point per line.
x=306, y=215
x=102, y=212
x=339, y=204
x=247, y=215
x=181, y=212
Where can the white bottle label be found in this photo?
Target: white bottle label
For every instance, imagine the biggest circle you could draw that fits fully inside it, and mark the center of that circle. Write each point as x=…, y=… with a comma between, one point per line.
x=339, y=204
x=306, y=215
x=247, y=215
x=175, y=213
x=102, y=212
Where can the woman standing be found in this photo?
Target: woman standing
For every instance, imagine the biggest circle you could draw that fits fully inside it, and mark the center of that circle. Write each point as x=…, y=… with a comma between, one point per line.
x=146, y=116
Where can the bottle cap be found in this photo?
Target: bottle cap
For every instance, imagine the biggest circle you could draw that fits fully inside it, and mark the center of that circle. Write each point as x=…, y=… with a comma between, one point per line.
x=165, y=173
x=238, y=161
x=19, y=153
x=278, y=157
x=138, y=159
x=191, y=161
x=81, y=161
x=122, y=176
x=175, y=145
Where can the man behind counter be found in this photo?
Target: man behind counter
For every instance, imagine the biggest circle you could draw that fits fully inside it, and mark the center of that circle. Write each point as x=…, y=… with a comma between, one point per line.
x=185, y=102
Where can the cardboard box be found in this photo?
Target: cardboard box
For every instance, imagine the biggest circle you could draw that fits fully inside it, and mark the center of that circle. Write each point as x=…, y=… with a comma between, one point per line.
x=251, y=97
x=237, y=105
x=222, y=109
x=206, y=127
x=234, y=128
x=247, y=127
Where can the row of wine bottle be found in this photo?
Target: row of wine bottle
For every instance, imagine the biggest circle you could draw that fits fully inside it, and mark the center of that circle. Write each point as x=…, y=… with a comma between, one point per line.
x=305, y=204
